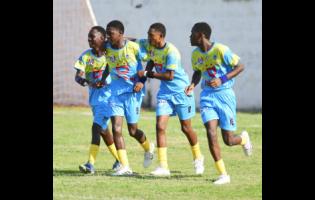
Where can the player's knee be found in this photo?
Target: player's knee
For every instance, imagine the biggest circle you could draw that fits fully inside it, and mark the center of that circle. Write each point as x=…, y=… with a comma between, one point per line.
x=160, y=128
x=212, y=136
x=228, y=141
x=132, y=131
x=186, y=129
x=117, y=129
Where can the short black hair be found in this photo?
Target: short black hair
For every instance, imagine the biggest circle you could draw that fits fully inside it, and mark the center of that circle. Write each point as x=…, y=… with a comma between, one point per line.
x=202, y=27
x=159, y=27
x=99, y=29
x=116, y=24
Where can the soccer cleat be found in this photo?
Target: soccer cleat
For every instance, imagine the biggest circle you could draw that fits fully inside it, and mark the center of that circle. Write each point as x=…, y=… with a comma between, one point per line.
x=247, y=147
x=116, y=166
x=148, y=156
x=198, y=164
x=123, y=170
x=87, y=168
x=223, y=179
x=160, y=171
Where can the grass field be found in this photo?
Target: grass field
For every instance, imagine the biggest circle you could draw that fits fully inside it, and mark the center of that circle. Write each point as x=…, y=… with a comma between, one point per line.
x=72, y=135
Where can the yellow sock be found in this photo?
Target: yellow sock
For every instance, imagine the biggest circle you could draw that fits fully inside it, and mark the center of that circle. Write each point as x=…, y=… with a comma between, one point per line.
x=113, y=151
x=220, y=167
x=196, y=151
x=243, y=140
x=162, y=157
x=93, y=153
x=146, y=145
x=122, y=154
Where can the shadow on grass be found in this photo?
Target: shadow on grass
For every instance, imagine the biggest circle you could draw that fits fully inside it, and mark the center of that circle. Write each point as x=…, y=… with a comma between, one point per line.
x=62, y=172
x=174, y=174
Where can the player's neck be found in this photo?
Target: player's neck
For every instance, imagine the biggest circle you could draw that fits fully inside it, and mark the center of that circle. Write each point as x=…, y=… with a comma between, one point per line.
x=206, y=45
x=119, y=44
x=99, y=52
x=161, y=45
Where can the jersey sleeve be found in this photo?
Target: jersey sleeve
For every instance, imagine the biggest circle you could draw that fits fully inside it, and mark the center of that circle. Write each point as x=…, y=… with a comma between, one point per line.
x=230, y=58
x=194, y=62
x=138, y=58
x=143, y=51
x=80, y=64
x=171, y=61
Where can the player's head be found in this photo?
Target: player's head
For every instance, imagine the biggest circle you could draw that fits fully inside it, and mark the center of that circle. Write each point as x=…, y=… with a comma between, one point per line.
x=156, y=34
x=115, y=31
x=96, y=37
x=199, y=31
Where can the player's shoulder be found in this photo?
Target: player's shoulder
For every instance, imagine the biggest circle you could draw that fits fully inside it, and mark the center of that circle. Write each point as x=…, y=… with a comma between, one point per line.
x=171, y=48
x=196, y=51
x=86, y=53
x=141, y=41
x=220, y=47
x=132, y=44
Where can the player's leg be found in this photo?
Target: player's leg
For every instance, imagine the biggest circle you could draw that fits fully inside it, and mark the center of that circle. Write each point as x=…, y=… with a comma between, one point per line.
x=185, y=109
x=211, y=129
x=161, y=125
x=109, y=141
x=163, y=110
x=132, y=113
x=198, y=158
x=227, y=112
x=102, y=117
x=117, y=122
x=210, y=117
x=88, y=167
x=117, y=114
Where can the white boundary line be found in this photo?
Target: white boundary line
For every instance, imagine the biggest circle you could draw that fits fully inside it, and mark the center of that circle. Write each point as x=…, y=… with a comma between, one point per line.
x=88, y=3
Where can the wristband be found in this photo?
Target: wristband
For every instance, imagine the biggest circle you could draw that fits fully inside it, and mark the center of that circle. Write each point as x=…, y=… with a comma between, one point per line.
x=224, y=79
x=145, y=73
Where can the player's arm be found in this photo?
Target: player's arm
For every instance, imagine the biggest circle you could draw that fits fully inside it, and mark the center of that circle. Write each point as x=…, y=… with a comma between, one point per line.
x=194, y=81
x=79, y=78
x=105, y=74
x=219, y=81
x=130, y=38
x=142, y=79
x=166, y=76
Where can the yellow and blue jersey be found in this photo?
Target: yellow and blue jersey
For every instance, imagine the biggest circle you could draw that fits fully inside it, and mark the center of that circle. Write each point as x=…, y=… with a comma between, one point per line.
x=216, y=62
x=93, y=67
x=123, y=66
x=167, y=58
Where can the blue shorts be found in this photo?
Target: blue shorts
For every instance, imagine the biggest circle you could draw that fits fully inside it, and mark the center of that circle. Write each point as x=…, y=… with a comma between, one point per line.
x=180, y=104
x=101, y=115
x=219, y=105
x=128, y=105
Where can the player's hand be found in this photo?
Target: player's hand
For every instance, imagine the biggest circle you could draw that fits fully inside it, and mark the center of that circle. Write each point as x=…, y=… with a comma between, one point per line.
x=189, y=89
x=138, y=87
x=216, y=82
x=98, y=84
x=82, y=81
x=140, y=73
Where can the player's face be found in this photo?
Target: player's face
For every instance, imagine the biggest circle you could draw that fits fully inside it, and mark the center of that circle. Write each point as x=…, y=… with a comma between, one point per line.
x=113, y=35
x=95, y=39
x=195, y=38
x=154, y=37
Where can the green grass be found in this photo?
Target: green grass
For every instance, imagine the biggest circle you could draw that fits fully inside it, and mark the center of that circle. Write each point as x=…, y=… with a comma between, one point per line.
x=72, y=135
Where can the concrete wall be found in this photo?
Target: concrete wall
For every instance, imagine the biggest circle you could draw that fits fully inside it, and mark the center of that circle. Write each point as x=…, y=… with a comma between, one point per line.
x=235, y=23
x=71, y=23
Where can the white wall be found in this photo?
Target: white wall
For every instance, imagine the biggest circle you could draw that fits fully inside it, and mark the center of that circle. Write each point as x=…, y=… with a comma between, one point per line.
x=237, y=24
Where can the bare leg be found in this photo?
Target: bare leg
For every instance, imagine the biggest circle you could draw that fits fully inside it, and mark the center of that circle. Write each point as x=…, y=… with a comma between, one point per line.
x=211, y=128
